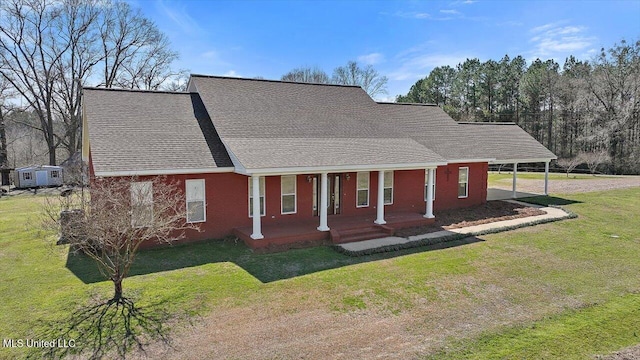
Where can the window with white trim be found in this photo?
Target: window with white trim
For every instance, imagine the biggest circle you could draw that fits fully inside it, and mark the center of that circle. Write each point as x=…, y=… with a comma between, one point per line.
x=463, y=182
x=55, y=174
x=388, y=187
x=362, y=194
x=261, y=186
x=141, y=204
x=196, y=207
x=26, y=176
x=288, y=194
x=426, y=183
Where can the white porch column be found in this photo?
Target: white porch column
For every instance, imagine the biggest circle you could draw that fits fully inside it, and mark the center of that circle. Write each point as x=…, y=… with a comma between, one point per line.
x=323, y=202
x=255, y=193
x=515, y=173
x=429, y=212
x=546, y=178
x=380, y=217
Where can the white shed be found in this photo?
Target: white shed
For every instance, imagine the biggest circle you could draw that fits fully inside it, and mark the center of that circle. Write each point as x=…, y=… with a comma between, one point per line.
x=38, y=176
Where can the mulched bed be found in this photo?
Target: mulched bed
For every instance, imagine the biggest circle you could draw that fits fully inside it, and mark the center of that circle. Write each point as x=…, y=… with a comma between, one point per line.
x=490, y=212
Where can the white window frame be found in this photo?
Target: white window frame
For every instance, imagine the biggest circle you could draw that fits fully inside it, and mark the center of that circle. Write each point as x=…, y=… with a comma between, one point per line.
x=426, y=182
x=283, y=194
x=388, y=187
x=56, y=172
x=262, y=186
x=26, y=176
x=145, y=202
x=358, y=188
x=196, y=199
x=466, y=187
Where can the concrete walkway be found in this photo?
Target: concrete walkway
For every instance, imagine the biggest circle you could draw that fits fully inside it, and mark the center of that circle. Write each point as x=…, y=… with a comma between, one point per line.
x=395, y=242
x=501, y=194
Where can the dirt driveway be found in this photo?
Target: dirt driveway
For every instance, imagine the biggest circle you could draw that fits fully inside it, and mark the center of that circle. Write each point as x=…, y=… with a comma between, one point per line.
x=571, y=186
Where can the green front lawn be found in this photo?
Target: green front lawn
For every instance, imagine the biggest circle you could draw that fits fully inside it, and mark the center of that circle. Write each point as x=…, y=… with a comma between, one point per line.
x=547, y=290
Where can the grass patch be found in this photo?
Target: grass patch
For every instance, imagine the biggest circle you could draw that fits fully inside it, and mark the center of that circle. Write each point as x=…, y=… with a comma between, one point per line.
x=472, y=298
x=575, y=334
x=506, y=177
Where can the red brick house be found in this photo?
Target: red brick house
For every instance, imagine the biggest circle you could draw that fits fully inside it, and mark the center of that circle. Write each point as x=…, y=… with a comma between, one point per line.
x=326, y=161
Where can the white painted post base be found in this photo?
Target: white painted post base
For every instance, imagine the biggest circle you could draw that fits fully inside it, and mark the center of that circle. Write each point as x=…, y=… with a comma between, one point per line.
x=255, y=194
x=429, y=213
x=380, y=209
x=324, y=184
x=515, y=174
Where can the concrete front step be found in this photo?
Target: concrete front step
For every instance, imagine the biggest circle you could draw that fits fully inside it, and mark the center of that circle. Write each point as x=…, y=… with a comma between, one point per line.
x=351, y=235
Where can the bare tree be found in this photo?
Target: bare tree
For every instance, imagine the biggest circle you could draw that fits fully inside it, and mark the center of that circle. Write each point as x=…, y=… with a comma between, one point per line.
x=367, y=78
x=594, y=159
x=30, y=51
x=569, y=164
x=307, y=75
x=75, y=67
x=135, y=53
x=111, y=221
x=4, y=154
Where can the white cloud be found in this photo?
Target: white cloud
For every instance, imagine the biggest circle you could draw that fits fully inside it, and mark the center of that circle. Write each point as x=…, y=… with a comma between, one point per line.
x=556, y=39
x=450, y=12
x=418, y=65
x=386, y=99
x=179, y=17
x=412, y=15
x=371, y=59
x=231, y=73
x=210, y=55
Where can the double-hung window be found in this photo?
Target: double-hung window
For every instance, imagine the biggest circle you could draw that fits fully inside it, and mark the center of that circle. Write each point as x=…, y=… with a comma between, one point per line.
x=388, y=187
x=426, y=183
x=362, y=196
x=196, y=209
x=141, y=204
x=463, y=182
x=288, y=194
x=262, y=212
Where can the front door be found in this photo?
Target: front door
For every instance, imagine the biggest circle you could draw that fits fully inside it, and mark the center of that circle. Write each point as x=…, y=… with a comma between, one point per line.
x=334, y=203
x=41, y=178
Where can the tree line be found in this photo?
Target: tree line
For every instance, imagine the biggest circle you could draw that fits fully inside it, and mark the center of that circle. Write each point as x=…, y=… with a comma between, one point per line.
x=352, y=73
x=49, y=49
x=583, y=111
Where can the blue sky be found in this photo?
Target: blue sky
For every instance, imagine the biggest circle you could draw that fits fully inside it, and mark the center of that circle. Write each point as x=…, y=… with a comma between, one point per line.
x=403, y=40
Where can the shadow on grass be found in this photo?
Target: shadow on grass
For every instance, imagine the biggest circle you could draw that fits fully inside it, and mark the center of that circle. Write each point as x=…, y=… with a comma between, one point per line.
x=264, y=267
x=106, y=329
x=548, y=200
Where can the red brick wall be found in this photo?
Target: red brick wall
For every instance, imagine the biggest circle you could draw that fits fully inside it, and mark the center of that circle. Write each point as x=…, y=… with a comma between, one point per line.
x=227, y=197
x=447, y=186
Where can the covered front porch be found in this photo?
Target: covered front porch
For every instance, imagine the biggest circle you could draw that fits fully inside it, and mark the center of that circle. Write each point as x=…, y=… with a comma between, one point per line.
x=502, y=194
x=343, y=229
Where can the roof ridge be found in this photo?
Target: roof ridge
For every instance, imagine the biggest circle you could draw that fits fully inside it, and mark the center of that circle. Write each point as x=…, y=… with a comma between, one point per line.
x=404, y=103
x=271, y=80
x=136, y=90
x=486, y=123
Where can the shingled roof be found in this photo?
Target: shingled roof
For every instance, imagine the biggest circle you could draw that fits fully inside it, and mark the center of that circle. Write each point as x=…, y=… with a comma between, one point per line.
x=150, y=132
x=274, y=124
x=430, y=126
x=263, y=126
x=506, y=142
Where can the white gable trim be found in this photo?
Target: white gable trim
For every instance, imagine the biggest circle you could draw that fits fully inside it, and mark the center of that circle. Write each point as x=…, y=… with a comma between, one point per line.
x=340, y=168
x=522, y=161
x=164, y=172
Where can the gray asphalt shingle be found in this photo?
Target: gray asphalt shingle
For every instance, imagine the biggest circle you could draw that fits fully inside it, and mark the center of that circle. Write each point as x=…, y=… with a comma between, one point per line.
x=150, y=131
x=273, y=124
